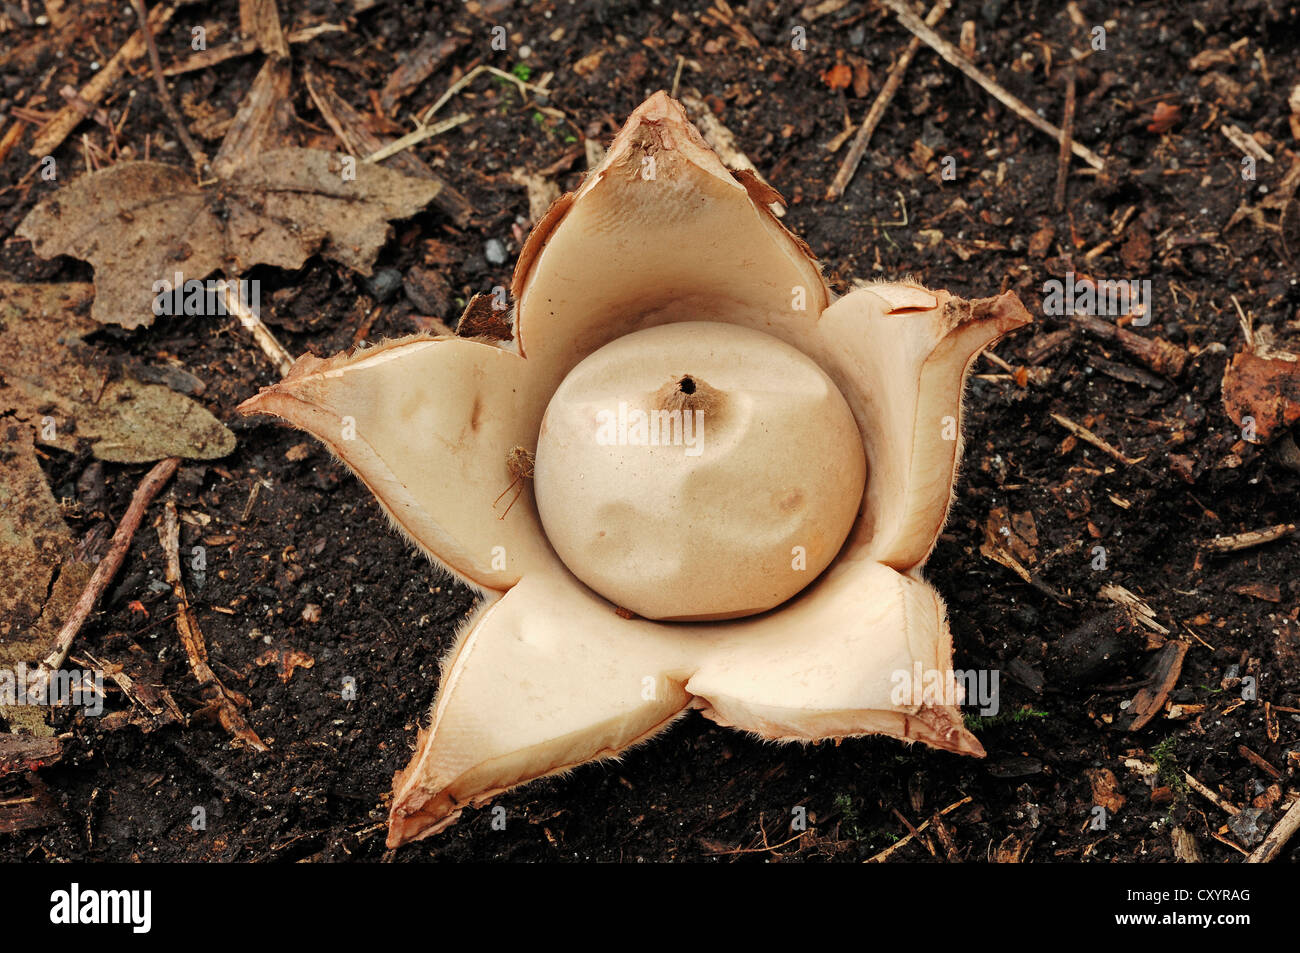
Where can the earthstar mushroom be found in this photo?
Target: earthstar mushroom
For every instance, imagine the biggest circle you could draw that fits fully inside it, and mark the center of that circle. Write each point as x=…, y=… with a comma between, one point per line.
x=762, y=567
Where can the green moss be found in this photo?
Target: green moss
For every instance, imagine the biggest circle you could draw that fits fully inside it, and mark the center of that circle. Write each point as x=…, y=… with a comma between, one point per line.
x=976, y=724
x=1168, y=770
x=843, y=805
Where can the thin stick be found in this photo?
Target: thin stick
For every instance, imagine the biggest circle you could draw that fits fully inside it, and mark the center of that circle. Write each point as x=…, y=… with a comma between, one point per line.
x=1086, y=435
x=1254, y=537
x=957, y=59
x=677, y=75
x=1209, y=795
x=218, y=697
x=465, y=80
x=261, y=333
x=1245, y=143
x=1278, y=836
x=1067, y=139
x=1233, y=844
x=154, y=481
x=192, y=147
x=877, y=110
x=413, y=138
x=915, y=833
x=885, y=854
x=219, y=54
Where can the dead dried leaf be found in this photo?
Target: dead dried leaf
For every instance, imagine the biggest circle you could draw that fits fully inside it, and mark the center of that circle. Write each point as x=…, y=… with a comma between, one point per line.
x=139, y=223
x=1263, y=387
x=1016, y=533
x=1105, y=789
x=861, y=80
x=1264, y=591
x=66, y=391
x=42, y=578
x=34, y=540
x=286, y=660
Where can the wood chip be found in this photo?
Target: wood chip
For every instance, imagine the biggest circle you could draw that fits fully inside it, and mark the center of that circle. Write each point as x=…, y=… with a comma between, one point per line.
x=27, y=753
x=1245, y=142
x=1138, y=611
x=1246, y=540
x=1150, y=700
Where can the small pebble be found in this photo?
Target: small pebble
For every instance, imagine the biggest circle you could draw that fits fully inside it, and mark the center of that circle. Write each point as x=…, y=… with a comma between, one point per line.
x=1250, y=825
x=495, y=251
x=384, y=283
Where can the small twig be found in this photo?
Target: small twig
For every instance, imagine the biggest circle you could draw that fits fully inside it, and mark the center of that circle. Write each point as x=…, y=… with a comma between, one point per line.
x=915, y=833
x=222, y=699
x=331, y=118
x=766, y=848
x=1086, y=435
x=1156, y=353
x=901, y=222
x=359, y=140
x=413, y=138
x=1281, y=833
x=196, y=154
x=253, y=492
x=868, y=127
x=959, y=60
x=154, y=481
x=1247, y=326
x=1137, y=610
x=677, y=76
x=1259, y=761
x=219, y=54
x=1209, y=795
x=885, y=854
x=1067, y=139
x=369, y=322
x=255, y=326
x=1247, y=540
x=11, y=137
x=1228, y=843
x=465, y=80
x=1245, y=143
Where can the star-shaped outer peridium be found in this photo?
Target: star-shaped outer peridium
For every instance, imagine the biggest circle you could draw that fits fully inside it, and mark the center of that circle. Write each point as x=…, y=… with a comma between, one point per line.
x=547, y=675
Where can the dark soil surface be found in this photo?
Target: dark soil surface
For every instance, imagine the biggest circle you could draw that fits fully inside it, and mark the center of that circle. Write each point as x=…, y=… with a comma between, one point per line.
x=1070, y=665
